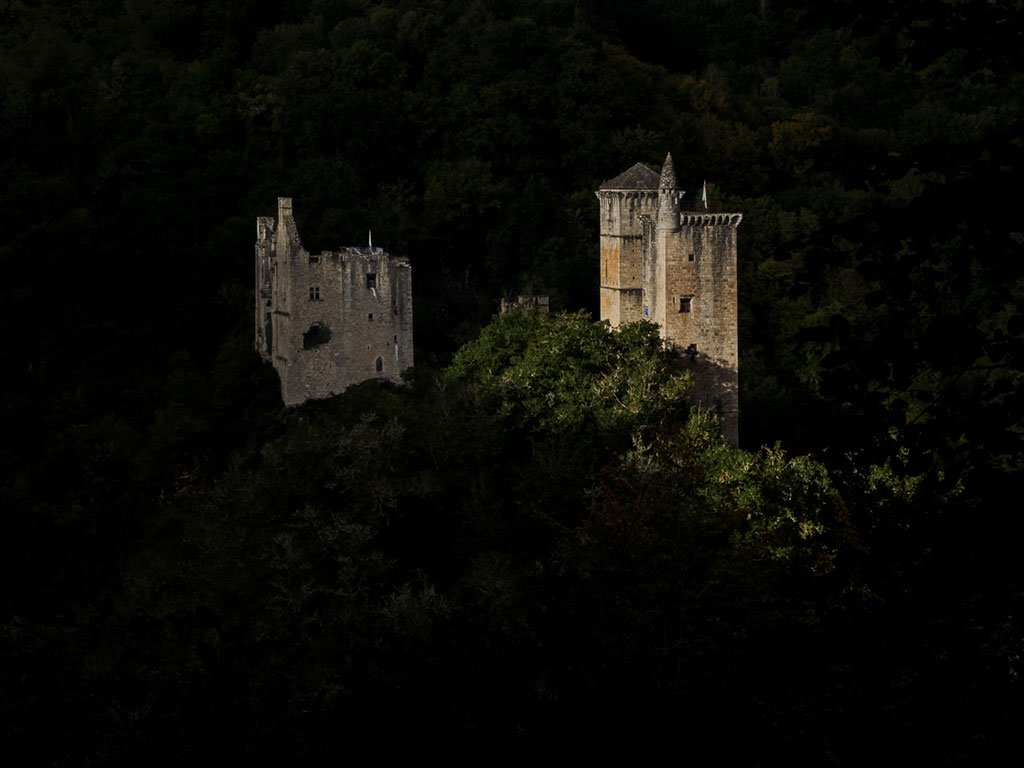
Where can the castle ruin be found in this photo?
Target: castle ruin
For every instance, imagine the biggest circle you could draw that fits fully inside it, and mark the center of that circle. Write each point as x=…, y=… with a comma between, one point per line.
x=331, y=320
x=524, y=305
x=676, y=268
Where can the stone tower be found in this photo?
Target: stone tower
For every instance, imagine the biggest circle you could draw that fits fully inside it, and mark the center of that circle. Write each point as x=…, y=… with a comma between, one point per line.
x=675, y=265
x=330, y=320
x=627, y=203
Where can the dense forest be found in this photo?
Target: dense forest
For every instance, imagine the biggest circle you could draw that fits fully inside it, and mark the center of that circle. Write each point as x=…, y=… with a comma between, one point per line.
x=534, y=545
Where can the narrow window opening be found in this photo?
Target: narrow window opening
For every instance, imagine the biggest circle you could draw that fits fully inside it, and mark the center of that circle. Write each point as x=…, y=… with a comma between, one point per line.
x=371, y=280
x=690, y=257
x=314, y=293
x=314, y=259
x=380, y=364
x=684, y=303
x=370, y=317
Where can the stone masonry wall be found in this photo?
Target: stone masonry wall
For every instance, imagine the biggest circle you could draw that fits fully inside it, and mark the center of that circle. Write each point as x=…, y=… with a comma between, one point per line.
x=677, y=270
x=712, y=320
x=331, y=320
x=622, y=246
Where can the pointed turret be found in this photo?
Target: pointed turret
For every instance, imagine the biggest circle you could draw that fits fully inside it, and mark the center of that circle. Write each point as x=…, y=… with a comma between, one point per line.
x=668, y=197
x=668, y=174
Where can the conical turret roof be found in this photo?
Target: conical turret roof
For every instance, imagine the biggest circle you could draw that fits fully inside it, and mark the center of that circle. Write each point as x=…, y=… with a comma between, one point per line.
x=637, y=177
x=668, y=174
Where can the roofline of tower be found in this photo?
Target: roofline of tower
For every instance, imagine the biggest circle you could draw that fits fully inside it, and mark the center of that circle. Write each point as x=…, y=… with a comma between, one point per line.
x=631, y=190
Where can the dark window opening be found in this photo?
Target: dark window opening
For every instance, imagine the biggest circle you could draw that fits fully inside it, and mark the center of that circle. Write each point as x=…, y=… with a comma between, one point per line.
x=314, y=293
x=314, y=259
x=371, y=279
x=370, y=316
x=317, y=334
x=690, y=257
x=684, y=303
x=380, y=364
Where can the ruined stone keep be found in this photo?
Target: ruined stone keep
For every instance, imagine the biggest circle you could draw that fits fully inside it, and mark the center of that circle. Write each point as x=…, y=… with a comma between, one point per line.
x=675, y=267
x=330, y=320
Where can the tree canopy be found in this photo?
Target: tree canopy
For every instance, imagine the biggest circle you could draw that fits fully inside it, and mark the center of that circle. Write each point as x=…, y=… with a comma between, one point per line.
x=535, y=536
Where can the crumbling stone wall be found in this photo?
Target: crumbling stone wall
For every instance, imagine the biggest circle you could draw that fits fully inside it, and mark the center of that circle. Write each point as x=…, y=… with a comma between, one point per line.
x=331, y=320
x=526, y=304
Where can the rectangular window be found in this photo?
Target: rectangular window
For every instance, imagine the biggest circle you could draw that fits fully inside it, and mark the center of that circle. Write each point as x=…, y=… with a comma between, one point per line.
x=314, y=259
x=314, y=293
x=690, y=257
x=370, y=317
x=684, y=303
x=371, y=279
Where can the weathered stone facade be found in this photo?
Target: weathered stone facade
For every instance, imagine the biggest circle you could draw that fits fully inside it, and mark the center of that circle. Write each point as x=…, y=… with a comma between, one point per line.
x=331, y=320
x=526, y=304
x=675, y=268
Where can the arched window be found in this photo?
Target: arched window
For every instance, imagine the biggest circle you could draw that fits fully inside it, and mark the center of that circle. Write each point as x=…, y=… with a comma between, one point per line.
x=380, y=364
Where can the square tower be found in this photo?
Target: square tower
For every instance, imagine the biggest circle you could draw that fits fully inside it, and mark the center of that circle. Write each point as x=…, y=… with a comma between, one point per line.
x=627, y=204
x=675, y=265
x=331, y=320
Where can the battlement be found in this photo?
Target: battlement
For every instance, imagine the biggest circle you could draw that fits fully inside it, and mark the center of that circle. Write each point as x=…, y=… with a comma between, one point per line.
x=526, y=304
x=688, y=219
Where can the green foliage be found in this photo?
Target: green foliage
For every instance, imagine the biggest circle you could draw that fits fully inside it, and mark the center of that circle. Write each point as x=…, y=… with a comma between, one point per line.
x=554, y=372
x=512, y=547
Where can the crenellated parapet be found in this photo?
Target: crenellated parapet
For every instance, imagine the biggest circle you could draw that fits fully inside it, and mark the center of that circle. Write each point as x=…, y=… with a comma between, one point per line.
x=710, y=219
x=629, y=198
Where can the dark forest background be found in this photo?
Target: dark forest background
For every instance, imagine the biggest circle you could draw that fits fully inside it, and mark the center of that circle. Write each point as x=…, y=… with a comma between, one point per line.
x=533, y=546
